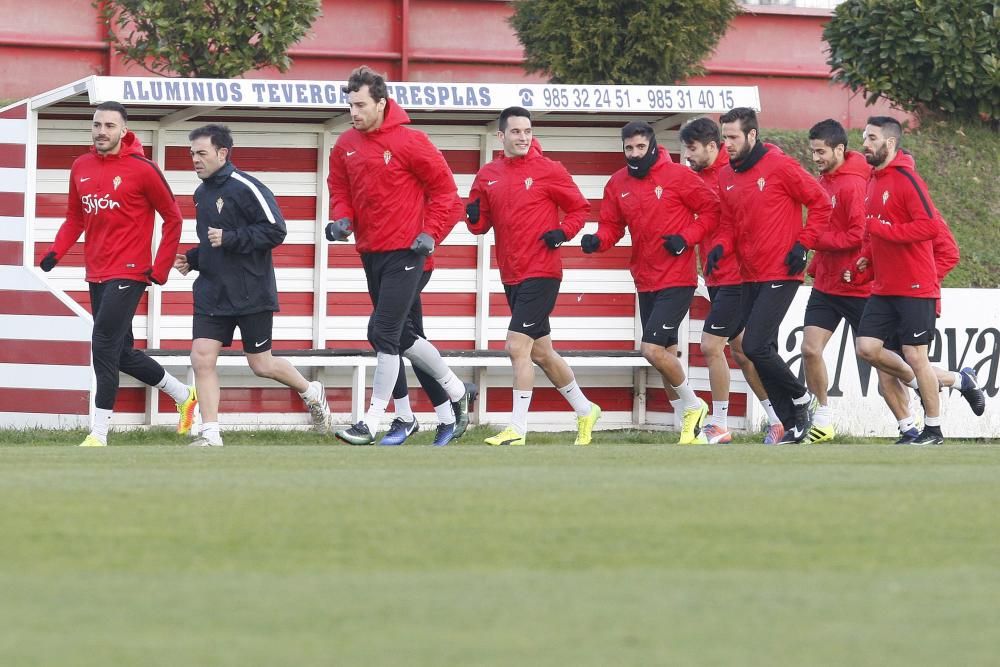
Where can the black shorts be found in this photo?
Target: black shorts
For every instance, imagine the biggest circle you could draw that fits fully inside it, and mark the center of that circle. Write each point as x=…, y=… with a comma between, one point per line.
x=827, y=310
x=661, y=313
x=911, y=320
x=531, y=302
x=726, y=316
x=255, y=329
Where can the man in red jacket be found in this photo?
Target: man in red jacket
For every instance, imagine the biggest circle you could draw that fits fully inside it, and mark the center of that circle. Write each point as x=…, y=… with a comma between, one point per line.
x=666, y=209
x=844, y=175
x=703, y=150
x=902, y=226
x=391, y=187
x=519, y=196
x=763, y=192
x=113, y=194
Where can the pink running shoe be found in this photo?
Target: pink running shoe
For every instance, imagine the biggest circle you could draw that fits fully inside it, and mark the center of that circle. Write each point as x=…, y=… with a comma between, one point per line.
x=774, y=434
x=716, y=435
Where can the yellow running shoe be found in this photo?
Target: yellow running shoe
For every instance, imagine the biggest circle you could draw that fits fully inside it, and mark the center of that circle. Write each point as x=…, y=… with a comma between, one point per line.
x=93, y=441
x=186, y=411
x=818, y=434
x=508, y=436
x=693, y=419
x=585, y=425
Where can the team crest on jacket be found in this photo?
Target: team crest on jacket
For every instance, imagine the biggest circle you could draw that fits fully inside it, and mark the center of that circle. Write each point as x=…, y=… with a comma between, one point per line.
x=117, y=181
x=760, y=183
x=527, y=183
x=387, y=156
x=885, y=197
x=833, y=201
x=219, y=204
x=658, y=191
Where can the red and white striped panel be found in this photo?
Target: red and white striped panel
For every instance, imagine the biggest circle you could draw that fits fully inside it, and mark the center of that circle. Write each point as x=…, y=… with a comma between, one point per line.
x=45, y=376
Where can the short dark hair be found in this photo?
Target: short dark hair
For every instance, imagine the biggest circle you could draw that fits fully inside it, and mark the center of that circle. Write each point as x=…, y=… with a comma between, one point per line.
x=114, y=106
x=830, y=132
x=638, y=127
x=746, y=116
x=890, y=126
x=219, y=134
x=702, y=130
x=366, y=76
x=512, y=111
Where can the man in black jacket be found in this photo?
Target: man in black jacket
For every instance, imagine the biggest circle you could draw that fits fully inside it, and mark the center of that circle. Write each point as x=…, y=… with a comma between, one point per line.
x=238, y=224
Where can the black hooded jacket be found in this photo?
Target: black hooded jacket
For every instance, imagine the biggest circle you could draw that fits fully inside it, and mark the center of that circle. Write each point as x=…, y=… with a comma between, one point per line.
x=236, y=278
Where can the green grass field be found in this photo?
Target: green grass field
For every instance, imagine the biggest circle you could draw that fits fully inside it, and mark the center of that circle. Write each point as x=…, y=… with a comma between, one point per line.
x=626, y=554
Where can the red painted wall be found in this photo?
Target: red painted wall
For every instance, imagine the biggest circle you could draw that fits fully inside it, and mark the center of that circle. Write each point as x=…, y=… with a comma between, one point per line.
x=780, y=51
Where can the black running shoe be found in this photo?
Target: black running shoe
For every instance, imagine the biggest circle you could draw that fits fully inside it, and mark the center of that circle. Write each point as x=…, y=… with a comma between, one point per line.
x=357, y=435
x=971, y=392
x=908, y=436
x=931, y=435
x=461, y=409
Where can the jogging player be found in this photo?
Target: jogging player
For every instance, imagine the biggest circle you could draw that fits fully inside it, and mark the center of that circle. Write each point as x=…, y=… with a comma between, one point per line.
x=114, y=191
x=703, y=150
x=519, y=196
x=666, y=209
x=763, y=192
x=393, y=189
x=238, y=224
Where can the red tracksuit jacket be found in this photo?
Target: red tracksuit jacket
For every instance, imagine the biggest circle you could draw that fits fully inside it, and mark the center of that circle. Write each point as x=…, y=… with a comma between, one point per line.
x=728, y=270
x=520, y=198
x=762, y=214
x=902, y=225
x=838, y=248
x=663, y=202
x=392, y=183
x=113, y=199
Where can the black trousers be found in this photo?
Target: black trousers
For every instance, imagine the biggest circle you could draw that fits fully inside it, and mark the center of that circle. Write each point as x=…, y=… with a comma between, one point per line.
x=435, y=392
x=764, y=306
x=114, y=304
x=393, y=284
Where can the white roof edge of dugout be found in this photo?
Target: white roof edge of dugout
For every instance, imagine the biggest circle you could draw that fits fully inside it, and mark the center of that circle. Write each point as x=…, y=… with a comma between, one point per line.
x=178, y=94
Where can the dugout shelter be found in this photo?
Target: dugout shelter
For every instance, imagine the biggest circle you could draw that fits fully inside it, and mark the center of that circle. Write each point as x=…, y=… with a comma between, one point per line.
x=284, y=131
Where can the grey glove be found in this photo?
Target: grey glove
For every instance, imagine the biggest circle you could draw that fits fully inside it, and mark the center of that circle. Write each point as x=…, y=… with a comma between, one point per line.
x=339, y=230
x=423, y=244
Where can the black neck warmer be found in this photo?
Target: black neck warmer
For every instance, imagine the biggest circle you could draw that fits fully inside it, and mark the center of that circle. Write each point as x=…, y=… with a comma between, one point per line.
x=639, y=167
x=752, y=158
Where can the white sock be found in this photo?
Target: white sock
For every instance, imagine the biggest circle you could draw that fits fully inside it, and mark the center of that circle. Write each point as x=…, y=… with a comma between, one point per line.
x=210, y=431
x=720, y=414
x=913, y=384
x=823, y=417
x=376, y=410
x=906, y=424
x=772, y=416
x=403, y=409
x=687, y=396
x=803, y=399
x=932, y=421
x=444, y=413
x=956, y=380
x=452, y=385
x=678, y=405
x=519, y=416
x=174, y=388
x=575, y=396
x=100, y=424
x=312, y=392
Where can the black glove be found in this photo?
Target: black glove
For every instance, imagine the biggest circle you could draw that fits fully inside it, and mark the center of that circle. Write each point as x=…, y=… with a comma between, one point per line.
x=472, y=211
x=150, y=278
x=554, y=238
x=795, y=260
x=712, y=261
x=423, y=244
x=675, y=244
x=339, y=230
x=590, y=243
x=49, y=261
